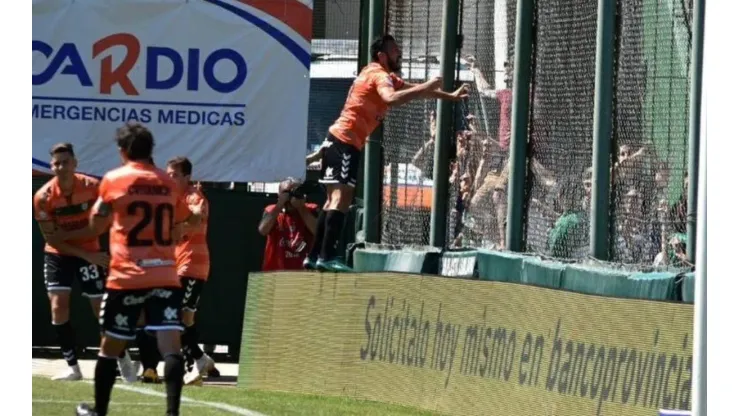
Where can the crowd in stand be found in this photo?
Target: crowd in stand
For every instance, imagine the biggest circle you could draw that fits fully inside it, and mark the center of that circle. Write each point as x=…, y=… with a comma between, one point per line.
x=649, y=225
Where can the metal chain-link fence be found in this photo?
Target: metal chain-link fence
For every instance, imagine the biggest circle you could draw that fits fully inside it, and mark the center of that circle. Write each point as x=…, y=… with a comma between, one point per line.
x=409, y=130
x=651, y=121
x=477, y=215
x=561, y=126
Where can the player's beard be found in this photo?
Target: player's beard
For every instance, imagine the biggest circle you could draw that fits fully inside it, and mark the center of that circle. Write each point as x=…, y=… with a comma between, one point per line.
x=395, y=65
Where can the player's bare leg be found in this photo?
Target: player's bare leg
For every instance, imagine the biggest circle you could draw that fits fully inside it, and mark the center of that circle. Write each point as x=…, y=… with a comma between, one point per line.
x=59, y=301
x=338, y=201
x=168, y=341
x=203, y=362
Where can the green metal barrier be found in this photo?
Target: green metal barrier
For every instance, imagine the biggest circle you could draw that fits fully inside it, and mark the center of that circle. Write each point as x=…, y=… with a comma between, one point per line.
x=500, y=266
x=387, y=259
x=543, y=273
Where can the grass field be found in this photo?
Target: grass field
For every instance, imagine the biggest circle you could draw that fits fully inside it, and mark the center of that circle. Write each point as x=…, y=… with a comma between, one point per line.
x=60, y=398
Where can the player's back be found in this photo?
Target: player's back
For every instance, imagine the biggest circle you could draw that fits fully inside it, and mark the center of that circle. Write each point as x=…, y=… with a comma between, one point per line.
x=364, y=109
x=144, y=202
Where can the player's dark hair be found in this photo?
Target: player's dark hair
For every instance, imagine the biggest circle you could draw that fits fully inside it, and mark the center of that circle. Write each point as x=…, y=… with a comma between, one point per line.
x=136, y=141
x=381, y=44
x=182, y=164
x=62, y=148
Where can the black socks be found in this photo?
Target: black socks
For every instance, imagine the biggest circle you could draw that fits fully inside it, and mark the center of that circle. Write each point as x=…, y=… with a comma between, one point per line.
x=190, y=343
x=66, y=338
x=174, y=370
x=332, y=232
x=105, y=377
x=318, y=239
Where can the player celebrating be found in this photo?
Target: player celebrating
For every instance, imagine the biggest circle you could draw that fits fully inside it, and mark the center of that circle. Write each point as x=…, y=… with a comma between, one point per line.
x=140, y=206
x=193, y=263
x=62, y=207
x=374, y=91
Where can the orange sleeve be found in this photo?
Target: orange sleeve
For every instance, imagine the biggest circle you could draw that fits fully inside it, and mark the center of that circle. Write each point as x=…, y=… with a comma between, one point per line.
x=41, y=209
x=182, y=212
x=382, y=80
x=107, y=194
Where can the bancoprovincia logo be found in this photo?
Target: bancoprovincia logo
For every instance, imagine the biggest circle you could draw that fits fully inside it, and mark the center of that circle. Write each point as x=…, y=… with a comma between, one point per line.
x=165, y=92
x=466, y=347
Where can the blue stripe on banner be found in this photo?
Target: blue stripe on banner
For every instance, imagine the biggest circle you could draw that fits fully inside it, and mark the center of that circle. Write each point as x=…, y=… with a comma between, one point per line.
x=297, y=50
x=124, y=101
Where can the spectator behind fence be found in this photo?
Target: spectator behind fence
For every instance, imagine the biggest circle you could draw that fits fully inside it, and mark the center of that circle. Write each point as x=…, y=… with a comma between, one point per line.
x=290, y=226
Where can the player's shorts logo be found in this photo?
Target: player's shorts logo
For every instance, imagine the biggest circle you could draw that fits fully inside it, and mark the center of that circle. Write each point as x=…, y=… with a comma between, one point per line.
x=170, y=314
x=121, y=321
x=329, y=173
x=134, y=300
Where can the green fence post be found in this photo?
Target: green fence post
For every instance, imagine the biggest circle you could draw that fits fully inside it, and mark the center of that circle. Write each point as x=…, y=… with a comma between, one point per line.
x=373, y=180
x=519, y=124
x=362, y=55
x=445, y=123
x=697, y=58
x=602, y=134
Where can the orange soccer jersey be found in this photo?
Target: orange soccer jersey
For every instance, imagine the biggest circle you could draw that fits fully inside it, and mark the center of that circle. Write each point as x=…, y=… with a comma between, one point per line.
x=193, y=259
x=364, y=108
x=145, y=206
x=68, y=212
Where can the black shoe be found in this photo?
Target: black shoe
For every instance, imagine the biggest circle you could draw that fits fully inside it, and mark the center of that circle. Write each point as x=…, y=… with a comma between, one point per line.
x=214, y=373
x=84, y=409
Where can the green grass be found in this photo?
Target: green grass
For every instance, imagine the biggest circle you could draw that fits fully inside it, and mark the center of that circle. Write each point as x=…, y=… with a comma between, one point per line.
x=60, y=398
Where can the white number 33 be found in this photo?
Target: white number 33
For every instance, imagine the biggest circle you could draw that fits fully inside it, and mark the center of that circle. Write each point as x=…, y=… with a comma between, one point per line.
x=89, y=272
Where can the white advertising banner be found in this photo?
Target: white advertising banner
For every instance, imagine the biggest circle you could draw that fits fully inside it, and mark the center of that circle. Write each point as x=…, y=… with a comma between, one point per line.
x=223, y=82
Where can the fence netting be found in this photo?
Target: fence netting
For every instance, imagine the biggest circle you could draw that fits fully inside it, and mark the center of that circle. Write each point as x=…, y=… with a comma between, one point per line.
x=651, y=121
x=408, y=131
x=477, y=214
x=561, y=126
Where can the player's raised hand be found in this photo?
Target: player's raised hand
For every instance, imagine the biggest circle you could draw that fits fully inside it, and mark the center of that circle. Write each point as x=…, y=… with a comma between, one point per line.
x=462, y=92
x=101, y=259
x=198, y=208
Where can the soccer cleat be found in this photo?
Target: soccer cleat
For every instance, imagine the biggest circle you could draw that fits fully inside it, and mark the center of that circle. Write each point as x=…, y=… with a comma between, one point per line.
x=335, y=265
x=204, y=364
x=193, y=378
x=309, y=264
x=150, y=376
x=85, y=410
x=127, y=369
x=214, y=373
x=72, y=373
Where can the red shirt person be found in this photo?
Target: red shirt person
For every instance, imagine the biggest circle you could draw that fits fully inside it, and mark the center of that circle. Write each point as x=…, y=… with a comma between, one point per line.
x=290, y=226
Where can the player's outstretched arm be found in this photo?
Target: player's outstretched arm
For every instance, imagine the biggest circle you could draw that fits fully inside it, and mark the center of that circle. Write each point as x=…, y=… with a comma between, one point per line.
x=459, y=94
x=393, y=97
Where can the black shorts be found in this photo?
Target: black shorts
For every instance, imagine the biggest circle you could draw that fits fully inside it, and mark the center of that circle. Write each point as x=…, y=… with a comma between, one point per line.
x=339, y=162
x=60, y=271
x=120, y=311
x=191, y=290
